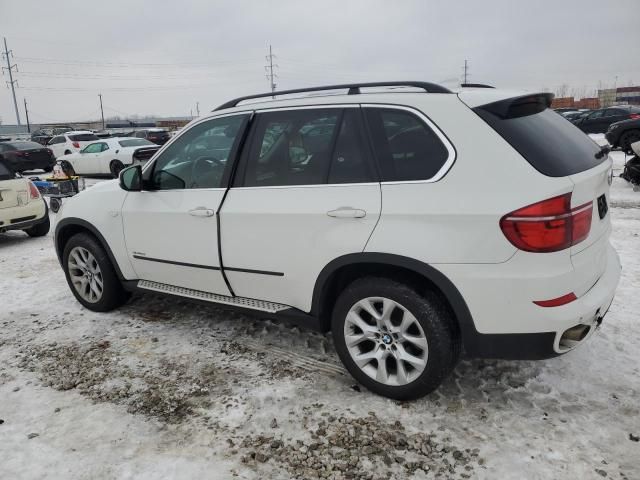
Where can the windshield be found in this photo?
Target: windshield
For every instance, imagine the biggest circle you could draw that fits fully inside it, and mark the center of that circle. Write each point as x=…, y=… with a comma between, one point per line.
x=136, y=142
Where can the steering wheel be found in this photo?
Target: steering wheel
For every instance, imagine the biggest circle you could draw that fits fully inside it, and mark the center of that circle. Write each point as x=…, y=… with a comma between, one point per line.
x=202, y=165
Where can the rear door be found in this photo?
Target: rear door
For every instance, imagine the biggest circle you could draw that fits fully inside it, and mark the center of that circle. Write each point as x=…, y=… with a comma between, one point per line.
x=305, y=193
x=171, y=226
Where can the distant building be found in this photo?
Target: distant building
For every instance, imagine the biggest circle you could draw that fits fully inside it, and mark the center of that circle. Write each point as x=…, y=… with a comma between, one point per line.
x=619, y=96
x=592, y=103
x=562, y=102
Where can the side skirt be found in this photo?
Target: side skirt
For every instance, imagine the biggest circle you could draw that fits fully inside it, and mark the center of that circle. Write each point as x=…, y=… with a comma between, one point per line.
x=250, y=306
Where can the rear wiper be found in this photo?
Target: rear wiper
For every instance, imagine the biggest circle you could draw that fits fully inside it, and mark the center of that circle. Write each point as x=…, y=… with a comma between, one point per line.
x=604, y=151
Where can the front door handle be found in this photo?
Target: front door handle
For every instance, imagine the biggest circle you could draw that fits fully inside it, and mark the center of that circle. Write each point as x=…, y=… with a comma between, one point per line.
x=347, y=212
x=202, y=212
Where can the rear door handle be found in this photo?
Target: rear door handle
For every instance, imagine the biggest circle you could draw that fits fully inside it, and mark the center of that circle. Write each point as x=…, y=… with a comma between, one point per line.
x=347, y=212
x=202, y=212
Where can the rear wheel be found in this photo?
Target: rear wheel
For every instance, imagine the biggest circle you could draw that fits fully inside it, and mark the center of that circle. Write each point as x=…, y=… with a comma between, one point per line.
x=628, y=138
x=116, y=167
x=41, y=229
x=90, y=274
x=395, y=341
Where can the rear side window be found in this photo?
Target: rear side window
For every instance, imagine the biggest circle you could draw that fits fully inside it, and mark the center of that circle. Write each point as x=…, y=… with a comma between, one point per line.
x=25, y=145
x=84, y=137
x=136, y=142
x=407, y=149
x=307, y=147
x=551, y=145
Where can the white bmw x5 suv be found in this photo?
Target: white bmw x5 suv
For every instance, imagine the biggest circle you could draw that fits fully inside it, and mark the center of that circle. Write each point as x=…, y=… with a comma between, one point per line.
x=414, y=223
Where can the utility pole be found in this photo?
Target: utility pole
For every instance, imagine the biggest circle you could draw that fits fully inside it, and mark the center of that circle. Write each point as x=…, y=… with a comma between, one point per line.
x=9, y=68
x=198, y=109
x=466, y=70
x=101, y=110
x=26, y=114
x=269, y=69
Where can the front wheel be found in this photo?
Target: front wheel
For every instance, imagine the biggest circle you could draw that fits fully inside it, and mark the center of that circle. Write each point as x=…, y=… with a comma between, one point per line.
x=394, y=340
x=90, y=274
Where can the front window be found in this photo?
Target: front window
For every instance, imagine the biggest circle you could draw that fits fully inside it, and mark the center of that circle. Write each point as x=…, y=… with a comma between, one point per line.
x=199, y=157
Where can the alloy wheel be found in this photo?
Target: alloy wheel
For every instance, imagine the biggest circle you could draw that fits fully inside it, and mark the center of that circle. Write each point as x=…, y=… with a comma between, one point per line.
x=386, y=341
x=85, y=274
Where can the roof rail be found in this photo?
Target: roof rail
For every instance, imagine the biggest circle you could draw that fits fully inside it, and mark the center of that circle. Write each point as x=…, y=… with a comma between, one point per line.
x=475, y=85
x=352, y=89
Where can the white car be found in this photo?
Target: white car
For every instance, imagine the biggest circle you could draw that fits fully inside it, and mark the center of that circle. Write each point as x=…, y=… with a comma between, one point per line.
x=21, y=205
x=110, y=155
x=70, y=142
x=412, y=224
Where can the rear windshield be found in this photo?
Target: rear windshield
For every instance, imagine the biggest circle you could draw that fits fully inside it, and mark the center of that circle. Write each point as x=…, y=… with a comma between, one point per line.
x=548, y=141
x=84, y=137
x=25, y=145
x=156, y=133
x=135, y=142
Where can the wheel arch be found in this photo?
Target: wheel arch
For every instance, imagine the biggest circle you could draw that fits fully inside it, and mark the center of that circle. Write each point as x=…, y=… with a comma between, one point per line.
x=68, y=227
x=343, y=270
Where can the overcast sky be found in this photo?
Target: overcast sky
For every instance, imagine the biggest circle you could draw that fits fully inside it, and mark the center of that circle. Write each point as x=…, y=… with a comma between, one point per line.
x=162, y=57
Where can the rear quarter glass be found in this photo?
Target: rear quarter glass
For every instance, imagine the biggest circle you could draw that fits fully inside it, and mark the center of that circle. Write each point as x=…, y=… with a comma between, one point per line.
x=549, y=142
x=84, y=137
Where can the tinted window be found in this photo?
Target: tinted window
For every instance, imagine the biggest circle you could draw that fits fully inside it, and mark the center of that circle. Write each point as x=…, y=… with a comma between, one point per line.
x=614, y=112
x=198, y=158
x=554, y=147
x=406, y=148
x=349, y=163
x=55, y=140
x=83, y=137
x=137, y=142
x=596, y=114
x=292, y=147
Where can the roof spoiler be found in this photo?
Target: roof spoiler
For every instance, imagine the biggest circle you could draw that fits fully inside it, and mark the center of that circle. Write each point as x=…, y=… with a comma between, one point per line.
x=519, y=106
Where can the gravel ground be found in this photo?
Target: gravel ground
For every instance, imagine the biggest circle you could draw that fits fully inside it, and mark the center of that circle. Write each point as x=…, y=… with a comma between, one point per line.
x=166, y=389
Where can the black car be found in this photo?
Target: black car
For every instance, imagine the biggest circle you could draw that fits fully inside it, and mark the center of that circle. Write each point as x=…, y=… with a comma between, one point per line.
x=598, y=121
x=623, y=134
x=22, y=156
x=155, y=135
x=43, y=135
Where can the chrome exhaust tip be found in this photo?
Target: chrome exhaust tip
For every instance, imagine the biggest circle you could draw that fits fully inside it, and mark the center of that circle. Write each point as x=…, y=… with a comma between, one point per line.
x=574, y=335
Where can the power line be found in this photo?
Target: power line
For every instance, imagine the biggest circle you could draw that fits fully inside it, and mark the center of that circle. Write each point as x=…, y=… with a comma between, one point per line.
x=269, y=69
x=11, y=81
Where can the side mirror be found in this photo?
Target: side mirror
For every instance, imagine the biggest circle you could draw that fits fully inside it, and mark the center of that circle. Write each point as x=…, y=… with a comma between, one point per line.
x=131, y=179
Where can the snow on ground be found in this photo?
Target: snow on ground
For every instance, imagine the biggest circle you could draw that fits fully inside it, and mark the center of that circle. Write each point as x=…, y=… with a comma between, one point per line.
x=166, y=389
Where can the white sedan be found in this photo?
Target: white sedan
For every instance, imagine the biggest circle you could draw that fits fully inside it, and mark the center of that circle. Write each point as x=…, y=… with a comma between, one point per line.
x=110, y=155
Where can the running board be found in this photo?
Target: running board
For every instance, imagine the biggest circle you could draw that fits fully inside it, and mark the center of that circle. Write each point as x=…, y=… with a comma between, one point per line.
x=251, y=303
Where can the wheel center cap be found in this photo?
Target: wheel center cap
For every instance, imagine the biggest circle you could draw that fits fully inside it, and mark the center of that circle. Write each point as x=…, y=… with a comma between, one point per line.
x=386, y=339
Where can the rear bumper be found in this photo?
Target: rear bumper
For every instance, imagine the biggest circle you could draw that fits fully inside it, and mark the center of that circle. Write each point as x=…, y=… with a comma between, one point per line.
x=539, y=335
x=34, y=213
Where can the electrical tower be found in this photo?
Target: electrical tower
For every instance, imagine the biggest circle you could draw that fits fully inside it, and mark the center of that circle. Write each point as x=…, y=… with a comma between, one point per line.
x=466, y=73
x=12, y=83
x=269, y=69
x=26, y=114
x=101, y=110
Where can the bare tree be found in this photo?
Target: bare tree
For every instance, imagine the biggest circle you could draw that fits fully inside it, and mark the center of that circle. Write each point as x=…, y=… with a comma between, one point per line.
x=562, y=90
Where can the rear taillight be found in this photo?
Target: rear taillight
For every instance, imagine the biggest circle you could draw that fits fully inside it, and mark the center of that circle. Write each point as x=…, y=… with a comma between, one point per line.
x=76, y=144
x=548, y=226
x=634, y=116
x=556, y=302
x=33, y=190
x=19, y=154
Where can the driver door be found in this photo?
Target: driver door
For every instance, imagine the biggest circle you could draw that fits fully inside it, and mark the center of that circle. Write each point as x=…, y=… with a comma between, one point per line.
x=171, y=227
x=86, y=160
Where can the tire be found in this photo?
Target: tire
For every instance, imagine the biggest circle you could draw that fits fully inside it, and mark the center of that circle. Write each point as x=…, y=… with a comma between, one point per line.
x=92, y=255
x=115, y=167
x=429, y=322
x=55, y=204
x=67, y=152
x=48, y=169
x=40, y=229
x=627, y=138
